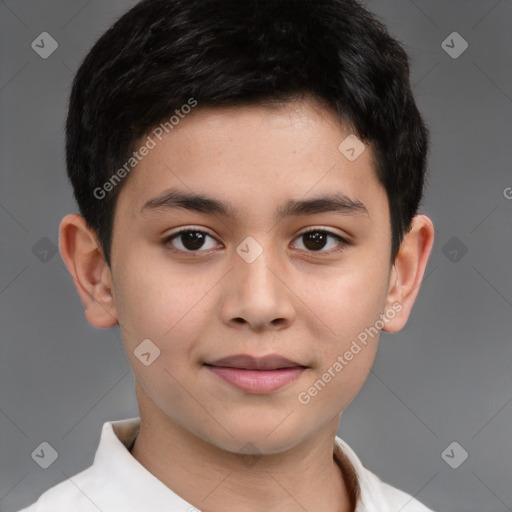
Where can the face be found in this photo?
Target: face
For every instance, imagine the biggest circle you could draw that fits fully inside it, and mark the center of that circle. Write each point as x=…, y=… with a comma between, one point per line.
x=280, y=268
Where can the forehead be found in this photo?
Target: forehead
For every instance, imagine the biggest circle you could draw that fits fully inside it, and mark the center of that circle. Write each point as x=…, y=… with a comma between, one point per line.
x=256, y=157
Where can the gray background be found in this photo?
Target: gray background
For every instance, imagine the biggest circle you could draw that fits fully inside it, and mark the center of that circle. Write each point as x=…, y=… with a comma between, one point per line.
x=444, y=378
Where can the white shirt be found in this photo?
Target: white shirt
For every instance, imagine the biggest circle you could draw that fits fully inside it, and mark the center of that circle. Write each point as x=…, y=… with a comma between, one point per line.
x=117, y=482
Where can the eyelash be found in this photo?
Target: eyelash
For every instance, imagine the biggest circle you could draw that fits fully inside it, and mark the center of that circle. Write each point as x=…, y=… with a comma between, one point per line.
x=189, y=253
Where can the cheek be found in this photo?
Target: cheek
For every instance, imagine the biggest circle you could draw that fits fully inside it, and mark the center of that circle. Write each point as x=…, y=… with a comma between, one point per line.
x=155, y=302
x=345, y=355
x=349, y=304
x=349, y=300
x=167, y=310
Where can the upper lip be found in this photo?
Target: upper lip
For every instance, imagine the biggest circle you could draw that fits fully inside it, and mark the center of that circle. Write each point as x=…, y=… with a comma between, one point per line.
x=246, y=362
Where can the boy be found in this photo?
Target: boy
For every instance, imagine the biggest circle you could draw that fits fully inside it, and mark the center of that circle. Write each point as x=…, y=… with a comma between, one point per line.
x=248, y=175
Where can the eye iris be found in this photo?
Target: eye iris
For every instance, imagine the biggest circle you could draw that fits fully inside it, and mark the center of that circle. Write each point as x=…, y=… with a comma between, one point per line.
x=192, y=240
x=315, y=240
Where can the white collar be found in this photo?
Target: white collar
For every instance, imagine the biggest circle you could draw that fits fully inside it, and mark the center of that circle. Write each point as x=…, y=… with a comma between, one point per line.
x=115, y=463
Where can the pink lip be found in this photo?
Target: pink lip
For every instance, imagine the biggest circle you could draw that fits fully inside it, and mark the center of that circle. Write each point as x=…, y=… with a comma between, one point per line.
x=256, y=375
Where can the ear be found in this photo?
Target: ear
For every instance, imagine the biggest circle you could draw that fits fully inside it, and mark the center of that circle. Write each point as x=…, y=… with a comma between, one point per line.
x=82, y=253
x=408, y=270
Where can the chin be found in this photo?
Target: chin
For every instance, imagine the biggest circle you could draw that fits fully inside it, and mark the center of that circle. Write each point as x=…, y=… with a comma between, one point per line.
x=257, y=437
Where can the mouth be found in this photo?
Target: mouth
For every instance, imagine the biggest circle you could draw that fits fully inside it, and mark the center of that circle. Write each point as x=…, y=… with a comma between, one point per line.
x=246, y=362
x=256, y=375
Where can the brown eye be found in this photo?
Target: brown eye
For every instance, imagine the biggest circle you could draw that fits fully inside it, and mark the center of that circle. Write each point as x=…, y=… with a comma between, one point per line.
x=316, y=240
x=190, y=240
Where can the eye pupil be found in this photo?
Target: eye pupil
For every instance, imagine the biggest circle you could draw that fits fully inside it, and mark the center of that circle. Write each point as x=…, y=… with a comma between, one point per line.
x=315, y=240
x=192, y=240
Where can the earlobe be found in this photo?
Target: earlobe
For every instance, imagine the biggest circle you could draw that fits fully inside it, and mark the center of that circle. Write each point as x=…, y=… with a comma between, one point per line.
x=408, y=270
x=82, y=254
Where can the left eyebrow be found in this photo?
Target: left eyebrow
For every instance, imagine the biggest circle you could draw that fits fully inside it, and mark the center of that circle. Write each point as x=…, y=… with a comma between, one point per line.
x=175, y=199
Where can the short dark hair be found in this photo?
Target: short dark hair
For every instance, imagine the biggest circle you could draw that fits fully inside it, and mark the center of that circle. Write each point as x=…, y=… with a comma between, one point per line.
x=162, y=53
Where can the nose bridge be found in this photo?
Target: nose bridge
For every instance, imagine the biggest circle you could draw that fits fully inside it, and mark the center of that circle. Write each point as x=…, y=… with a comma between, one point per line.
x=256, y=293
x=255, y=268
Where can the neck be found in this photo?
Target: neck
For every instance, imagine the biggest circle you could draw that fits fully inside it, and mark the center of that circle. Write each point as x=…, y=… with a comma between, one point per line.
x=303, y=478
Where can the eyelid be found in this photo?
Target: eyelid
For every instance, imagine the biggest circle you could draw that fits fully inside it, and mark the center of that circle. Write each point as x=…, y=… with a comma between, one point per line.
x=324, y=230
x=184, y=229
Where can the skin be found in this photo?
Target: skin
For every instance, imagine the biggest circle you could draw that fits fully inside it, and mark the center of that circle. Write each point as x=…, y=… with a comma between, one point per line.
x=303, y=304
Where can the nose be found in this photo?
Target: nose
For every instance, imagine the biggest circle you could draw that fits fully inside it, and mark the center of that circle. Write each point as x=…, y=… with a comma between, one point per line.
x=257, y=296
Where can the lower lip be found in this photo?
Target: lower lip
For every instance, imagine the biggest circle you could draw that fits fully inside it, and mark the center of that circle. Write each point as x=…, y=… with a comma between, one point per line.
x=257, y=381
